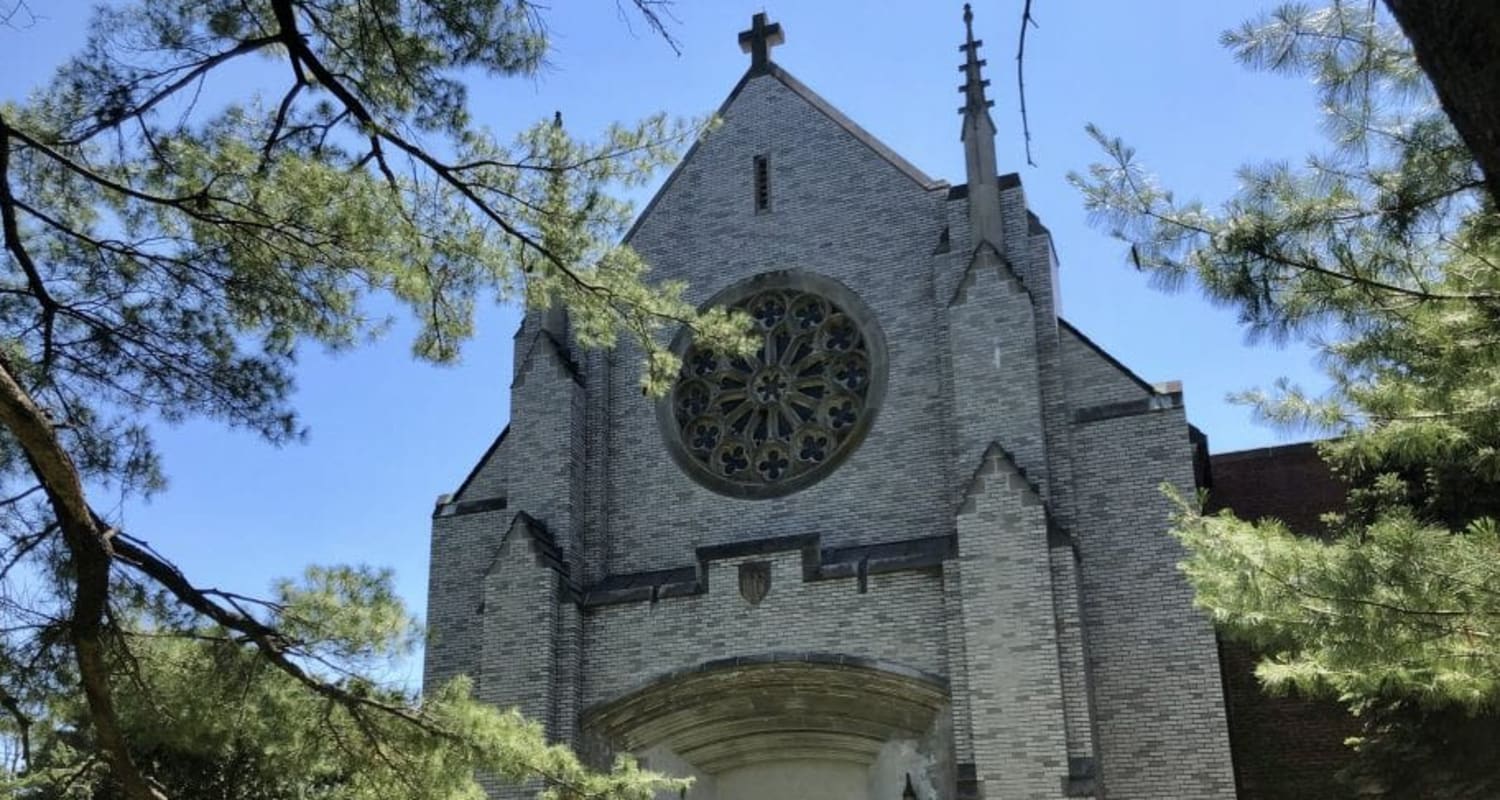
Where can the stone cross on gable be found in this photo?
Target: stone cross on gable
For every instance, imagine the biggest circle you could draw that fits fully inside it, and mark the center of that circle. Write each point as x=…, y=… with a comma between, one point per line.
x=759, y=40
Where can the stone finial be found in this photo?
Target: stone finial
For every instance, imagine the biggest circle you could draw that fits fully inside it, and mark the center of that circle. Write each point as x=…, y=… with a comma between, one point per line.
x=759, y=40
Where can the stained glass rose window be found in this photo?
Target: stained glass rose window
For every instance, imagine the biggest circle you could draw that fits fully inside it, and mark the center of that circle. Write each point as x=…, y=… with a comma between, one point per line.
x=785, y=415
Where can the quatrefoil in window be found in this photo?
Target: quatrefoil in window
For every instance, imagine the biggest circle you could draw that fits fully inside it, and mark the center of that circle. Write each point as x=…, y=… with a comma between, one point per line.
x=784, y=416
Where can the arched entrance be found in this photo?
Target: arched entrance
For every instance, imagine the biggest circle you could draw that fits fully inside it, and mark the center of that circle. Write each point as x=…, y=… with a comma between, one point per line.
x=789, y=726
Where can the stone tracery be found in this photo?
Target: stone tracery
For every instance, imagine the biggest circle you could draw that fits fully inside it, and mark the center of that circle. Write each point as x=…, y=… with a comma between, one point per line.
x=781, y=417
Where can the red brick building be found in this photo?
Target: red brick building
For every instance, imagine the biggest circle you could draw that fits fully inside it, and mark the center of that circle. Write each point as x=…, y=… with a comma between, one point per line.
x=1285, y=748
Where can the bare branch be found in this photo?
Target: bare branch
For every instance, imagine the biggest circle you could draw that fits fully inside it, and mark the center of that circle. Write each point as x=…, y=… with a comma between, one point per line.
x=1026, y=21
x=194, y=72
x=13, y=244
x=9, y=18
x=653, y=11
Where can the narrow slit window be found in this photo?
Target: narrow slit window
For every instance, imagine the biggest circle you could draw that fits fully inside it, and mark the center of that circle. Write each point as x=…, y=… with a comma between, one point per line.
x=762, y=184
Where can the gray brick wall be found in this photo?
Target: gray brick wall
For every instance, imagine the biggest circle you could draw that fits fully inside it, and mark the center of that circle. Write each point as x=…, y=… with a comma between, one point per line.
x=455, y=591
x=997, y=397
x=519, y=640
x=1154, y=660
x=1016, y=709
x=1091, y=379
x=838, y=209
x=1072, y=648
x=899, y=619
x=545, y=438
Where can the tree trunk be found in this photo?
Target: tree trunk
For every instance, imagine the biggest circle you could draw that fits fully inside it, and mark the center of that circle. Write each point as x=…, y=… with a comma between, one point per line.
x=1457, y=43
x=87, y=542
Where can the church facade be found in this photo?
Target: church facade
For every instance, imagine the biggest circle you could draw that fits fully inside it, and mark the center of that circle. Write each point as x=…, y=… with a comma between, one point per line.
x=913, y=546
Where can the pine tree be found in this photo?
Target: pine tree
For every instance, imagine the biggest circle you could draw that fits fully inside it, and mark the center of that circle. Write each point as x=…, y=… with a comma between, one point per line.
x=1383, y=252
x=207, y=717
x=167, y=252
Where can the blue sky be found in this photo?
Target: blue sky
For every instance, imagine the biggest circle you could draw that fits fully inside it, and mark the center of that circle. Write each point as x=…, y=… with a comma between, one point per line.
x=389, y=434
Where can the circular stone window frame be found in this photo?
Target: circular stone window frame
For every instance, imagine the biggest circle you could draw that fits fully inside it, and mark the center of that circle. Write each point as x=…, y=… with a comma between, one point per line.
x=789, y=280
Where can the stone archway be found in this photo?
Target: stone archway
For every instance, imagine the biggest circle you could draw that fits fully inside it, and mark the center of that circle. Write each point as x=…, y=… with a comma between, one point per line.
x=789, y=726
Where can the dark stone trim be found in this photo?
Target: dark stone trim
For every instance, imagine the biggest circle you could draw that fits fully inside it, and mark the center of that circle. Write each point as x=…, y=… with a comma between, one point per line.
x=1274, y=451
x=1035, y=227
x=779, y=657
x=642, y=587
x=654, y=577
x=564, y=353
x=1146, y=387
x=805, y=542
x=484, y=459
x=968, y=787
x=945, y=242
x=1009, y=270
x=463, y=507
x=817, y=564
x=548, y=554
x=1081, y=780
x=558, y=349
x=1058, y=536
x=758, y=547
x=1079, y=787
x=1129, y=408
x=547, y=551
x=1006, y=180
x=1009, y=180
x=1203, y=471
x=845, y=562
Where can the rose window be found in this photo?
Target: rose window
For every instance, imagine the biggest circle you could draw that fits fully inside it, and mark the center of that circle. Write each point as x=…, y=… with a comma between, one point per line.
x=779, y=418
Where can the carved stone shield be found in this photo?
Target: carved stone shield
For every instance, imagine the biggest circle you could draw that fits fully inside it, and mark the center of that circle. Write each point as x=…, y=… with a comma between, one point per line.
x=755, y=581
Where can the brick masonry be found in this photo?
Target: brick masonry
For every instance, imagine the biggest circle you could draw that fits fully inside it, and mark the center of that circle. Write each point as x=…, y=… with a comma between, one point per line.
x=1286, y=747
x=1075, y=663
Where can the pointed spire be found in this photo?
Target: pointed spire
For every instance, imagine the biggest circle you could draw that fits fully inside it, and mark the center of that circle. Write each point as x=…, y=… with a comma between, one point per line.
x=979, y=143
x=974, y=82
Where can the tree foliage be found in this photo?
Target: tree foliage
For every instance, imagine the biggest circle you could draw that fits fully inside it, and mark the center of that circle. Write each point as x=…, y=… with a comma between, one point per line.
x=168, y=246
x=1384, y=253
x=209, y=718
